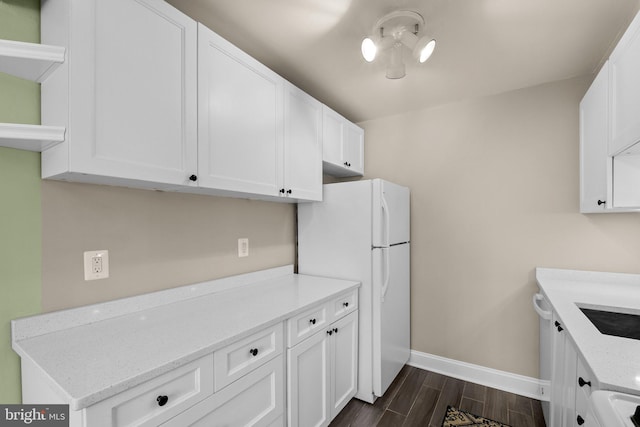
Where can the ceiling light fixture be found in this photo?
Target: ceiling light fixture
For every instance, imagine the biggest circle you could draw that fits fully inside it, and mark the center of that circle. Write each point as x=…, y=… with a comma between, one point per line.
x=393, y=32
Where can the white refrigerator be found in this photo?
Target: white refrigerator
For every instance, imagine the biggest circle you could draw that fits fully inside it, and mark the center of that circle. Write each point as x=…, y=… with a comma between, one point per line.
x=361, y=231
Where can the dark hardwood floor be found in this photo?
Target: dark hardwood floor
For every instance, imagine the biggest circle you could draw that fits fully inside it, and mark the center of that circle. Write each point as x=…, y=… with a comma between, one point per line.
x=420, y=398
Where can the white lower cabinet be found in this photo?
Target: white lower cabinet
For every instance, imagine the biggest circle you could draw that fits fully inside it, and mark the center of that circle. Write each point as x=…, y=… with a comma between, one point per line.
x=344, y=362
x=257, y=399
x=586, y=383
x=571, y=383
x=241, y=384
x=222, y=359
x=238, y=359
x=308, y=382
x=322, y=373
x=247, y=382
x=155, y=401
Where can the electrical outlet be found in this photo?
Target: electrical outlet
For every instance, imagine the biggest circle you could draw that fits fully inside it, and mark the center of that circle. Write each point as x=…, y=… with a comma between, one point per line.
x=243, y=248
x=96, y=265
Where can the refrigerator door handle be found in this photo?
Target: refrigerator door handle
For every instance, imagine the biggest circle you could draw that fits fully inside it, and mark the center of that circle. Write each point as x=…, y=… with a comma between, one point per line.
x=387, y=274
x=385, y=210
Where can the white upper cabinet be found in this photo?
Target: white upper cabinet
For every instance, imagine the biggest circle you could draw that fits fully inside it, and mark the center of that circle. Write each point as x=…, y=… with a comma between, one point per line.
x=127, y=94
x=594, y=161
x=624, y=96
x=257, y=133
x=353, y=148
x=343, y=145
x=302, y=145
x=610, y=132
x=151, y=99
x=240, y=126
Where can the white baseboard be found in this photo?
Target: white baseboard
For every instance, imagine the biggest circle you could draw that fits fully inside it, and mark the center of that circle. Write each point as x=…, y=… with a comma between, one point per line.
x=506, y=381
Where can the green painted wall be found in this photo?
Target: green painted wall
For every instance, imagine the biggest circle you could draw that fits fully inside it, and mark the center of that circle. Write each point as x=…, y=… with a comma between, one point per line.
x=20, y=211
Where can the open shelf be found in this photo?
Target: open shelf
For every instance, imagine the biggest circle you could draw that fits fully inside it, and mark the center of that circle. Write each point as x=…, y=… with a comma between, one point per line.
x=29, y=61
x=30, y=137
x=35, y=62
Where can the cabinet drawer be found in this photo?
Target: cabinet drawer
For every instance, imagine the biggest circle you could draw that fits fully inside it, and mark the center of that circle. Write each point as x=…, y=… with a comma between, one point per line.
x=345, y=304
x=141, y=405
x=305, y=324
x=256, y=399
x=243, y=356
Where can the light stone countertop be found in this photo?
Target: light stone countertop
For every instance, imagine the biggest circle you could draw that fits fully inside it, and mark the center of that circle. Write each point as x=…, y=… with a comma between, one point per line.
x=615, y=361
x=88, y=360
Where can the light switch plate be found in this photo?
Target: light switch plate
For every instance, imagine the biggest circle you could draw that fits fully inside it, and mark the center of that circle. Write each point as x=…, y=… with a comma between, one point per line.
x=96, y=265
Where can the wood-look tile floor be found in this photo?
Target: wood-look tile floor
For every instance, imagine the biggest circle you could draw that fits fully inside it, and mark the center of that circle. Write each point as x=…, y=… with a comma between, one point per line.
x=420, y=398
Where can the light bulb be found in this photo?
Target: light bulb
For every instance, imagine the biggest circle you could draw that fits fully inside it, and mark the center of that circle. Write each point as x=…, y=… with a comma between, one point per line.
x=424, y=51
x=369, y=49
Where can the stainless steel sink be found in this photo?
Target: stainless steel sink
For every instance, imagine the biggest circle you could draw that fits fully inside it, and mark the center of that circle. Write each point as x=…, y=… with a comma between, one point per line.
x=625, y=325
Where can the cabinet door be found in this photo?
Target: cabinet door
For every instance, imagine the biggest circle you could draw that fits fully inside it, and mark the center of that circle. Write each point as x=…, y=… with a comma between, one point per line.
x=344, y=362
x=353, y=148
x=570, y=382
x=332, y=124
x=556, y=412
x=133, y=95
x=625, y=90
x=342, y=145
x=594, y=160
x=563, y=378
x=302, y=145
x=240, y=119
x=308, y=382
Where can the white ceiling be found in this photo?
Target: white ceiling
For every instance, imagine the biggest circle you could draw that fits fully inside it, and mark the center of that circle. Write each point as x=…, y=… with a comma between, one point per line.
x=483, y=46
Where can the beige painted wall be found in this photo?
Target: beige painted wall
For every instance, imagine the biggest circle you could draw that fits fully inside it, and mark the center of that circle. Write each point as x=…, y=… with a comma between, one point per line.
x=494, y=195
x=156, y=240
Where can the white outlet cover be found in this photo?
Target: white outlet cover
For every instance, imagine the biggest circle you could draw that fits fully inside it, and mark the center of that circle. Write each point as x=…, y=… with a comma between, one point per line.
x=89, y=258
x=243, y=247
